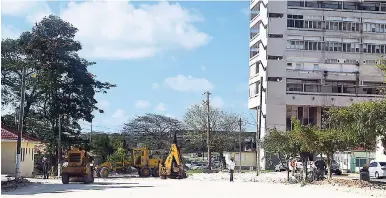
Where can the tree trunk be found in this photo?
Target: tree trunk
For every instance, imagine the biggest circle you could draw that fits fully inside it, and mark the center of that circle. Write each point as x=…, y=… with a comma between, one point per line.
x=288, y=174
x=328, y=165
x=305, y=172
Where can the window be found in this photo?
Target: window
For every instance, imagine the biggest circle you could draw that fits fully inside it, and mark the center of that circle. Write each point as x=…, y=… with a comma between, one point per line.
x=332, y=5
x=275, y=35
x=350, y=5
x=373, y=164
x=22, y=153
x=382, y=163
x=253, y=51
x=360, y=162
x=295, y=21
x=316, y=66
x=369, y=6
x=312, y=4
x=275, y=57
x=275, y=79
x=295, y=3
x=275, y=15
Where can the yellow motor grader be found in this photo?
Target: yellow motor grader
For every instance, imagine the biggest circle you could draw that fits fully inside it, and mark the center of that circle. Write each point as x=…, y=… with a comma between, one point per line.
x=140, y=159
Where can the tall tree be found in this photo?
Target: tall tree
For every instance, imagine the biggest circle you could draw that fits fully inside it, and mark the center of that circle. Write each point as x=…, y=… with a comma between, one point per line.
x=153, y=130
x=223, y=125
x=282, y=144
x=58, y=81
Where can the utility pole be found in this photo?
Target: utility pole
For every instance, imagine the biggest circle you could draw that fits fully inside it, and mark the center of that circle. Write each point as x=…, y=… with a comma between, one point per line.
x=20, y=126
x=208, y=130
x=240, y=123
x=91, y=132
x=259, y=127
x=59, y=145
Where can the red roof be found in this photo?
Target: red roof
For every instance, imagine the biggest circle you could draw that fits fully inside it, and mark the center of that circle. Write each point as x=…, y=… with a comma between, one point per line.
x=8, y=134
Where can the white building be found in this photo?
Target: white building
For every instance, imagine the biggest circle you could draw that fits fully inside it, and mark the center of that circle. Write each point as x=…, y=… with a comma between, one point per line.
x=313, y=54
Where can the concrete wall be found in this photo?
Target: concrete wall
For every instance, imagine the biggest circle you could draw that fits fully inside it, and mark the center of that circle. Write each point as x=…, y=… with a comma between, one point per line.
x=8, y=158
x=248, y=159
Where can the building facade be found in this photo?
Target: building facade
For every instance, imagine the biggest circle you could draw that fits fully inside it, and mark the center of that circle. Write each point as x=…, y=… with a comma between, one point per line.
x=8, y=153
x=309, y=55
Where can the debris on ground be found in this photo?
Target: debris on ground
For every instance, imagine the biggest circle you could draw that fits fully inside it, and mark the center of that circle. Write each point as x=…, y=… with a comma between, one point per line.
x=352, y=183
x=243, y=177
x=14, y=184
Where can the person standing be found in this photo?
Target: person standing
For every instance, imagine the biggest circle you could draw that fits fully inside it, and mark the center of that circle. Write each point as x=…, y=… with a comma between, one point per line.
x=45, y=167
x=231, y=168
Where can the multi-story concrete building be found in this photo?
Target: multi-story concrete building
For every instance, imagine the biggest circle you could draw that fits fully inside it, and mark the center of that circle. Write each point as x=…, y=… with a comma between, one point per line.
x=311, y=55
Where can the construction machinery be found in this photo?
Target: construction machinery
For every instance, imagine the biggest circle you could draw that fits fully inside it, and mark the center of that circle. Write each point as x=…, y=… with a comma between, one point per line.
x=171, y=165
x=78, y=167
x=140, y=160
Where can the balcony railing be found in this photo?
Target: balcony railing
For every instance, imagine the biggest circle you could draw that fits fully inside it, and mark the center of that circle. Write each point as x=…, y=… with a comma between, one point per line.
x=335, y=90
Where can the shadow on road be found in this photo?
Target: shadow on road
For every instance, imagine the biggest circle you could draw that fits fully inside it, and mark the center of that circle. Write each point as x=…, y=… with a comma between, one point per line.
x=43, y=188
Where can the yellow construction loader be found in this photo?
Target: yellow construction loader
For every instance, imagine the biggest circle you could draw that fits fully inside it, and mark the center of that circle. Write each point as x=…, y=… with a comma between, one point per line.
x=171, y=165
x=140, y=160
x=78, y=167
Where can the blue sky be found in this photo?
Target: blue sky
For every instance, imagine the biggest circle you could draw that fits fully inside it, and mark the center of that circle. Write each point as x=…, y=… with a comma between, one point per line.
x=162, y=56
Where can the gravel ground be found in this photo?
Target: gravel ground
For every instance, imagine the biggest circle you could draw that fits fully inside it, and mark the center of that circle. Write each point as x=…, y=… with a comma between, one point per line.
x=198, y=185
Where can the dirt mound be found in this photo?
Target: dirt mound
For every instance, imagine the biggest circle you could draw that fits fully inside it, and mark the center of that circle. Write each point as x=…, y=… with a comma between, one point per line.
x=352, y=183
x=14, y=184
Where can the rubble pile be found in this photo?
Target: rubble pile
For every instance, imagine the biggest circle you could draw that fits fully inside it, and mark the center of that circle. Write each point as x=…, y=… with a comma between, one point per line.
x=14, y=184
x=352, y=183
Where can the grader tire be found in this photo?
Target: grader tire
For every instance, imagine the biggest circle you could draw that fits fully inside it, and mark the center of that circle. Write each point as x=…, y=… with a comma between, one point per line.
x=145, y=172
x=65, y=179
x=104, y=172
x=155, y=172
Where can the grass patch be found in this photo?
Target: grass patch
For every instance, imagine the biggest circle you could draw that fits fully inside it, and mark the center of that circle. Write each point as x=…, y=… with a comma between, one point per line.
x=194, y=171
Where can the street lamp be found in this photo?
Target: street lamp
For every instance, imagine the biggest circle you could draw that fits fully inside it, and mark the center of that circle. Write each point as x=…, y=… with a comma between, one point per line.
x=59, y=143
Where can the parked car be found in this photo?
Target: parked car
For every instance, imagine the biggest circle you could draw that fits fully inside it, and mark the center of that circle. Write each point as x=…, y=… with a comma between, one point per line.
x=280, y=167
x=198, y=166
x=335, y=168
x=377, y=169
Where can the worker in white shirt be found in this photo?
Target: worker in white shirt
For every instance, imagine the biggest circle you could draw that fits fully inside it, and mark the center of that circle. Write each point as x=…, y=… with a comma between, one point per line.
x=231, y=168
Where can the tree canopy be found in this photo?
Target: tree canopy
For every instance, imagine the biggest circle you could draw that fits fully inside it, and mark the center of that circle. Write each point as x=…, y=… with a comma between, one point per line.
x=57, y=82
x=155, y=131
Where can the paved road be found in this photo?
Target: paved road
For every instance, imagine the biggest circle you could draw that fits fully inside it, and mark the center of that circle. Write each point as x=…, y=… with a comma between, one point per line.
x=143, y=188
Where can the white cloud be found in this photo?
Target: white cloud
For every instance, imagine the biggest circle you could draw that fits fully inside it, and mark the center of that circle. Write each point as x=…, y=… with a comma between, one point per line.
x=188, y=83
x=103, y=104
x=119, y=30
x=119, y=117
x=203, y=68
x=33, y=11
x=155, y=85
x=142, y=104
x=160, y=107
x=8, y=31
x=217, y=102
